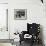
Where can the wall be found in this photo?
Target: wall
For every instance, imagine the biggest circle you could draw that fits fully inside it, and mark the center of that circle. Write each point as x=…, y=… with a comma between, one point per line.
x=3, y=1
x=35, y=14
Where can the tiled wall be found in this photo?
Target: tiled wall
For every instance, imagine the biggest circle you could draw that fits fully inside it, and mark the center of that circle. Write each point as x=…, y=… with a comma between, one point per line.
x=35, y=13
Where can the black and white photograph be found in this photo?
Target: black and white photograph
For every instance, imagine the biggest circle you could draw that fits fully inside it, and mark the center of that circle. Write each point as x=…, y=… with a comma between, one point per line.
x=22, y=22
x=20, y=14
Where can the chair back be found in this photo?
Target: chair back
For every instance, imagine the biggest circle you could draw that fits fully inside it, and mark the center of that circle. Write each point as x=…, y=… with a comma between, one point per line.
x=33, y=28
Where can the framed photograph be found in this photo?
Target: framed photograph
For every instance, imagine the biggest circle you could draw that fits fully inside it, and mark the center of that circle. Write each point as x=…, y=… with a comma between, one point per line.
x=20, y=14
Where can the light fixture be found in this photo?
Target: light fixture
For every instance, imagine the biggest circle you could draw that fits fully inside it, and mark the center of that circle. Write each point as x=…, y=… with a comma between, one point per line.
x=42, y=1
